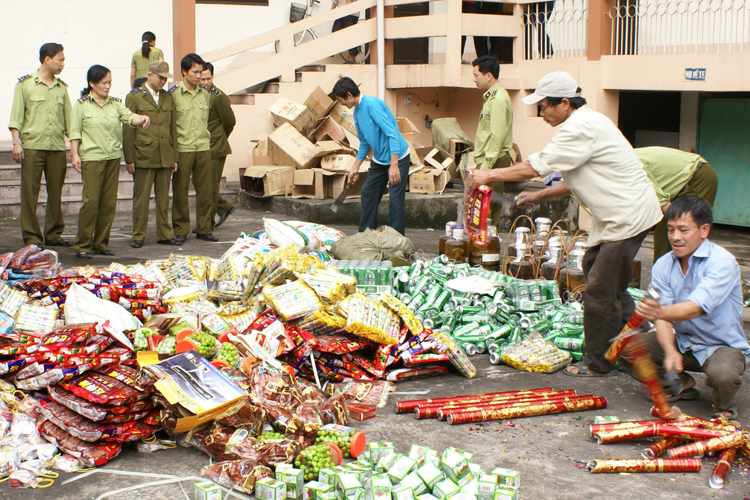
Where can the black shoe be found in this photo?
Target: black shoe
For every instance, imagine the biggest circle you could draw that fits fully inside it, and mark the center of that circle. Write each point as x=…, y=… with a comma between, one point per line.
x=224, y=217
x=194, y=231
x=108, y=253
x=207, y=237
x=179, y=239
x=83, y=255
x=61, y=243
x=137, y=244
x=171, y=241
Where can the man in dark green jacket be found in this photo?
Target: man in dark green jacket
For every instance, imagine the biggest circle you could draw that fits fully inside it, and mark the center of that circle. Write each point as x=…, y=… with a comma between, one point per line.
x=221, y=122
x=151, y=155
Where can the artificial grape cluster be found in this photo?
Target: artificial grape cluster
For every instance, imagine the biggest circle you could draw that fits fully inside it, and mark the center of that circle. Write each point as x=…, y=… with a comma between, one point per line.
x=313, y=459
x=206, y=344
x=340, y=439
x=228, y=353
x=271, y=436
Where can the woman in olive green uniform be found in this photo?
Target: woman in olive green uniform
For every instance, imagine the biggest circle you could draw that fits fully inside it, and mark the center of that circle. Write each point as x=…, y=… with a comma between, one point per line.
x=141, y=59
x=95, y=140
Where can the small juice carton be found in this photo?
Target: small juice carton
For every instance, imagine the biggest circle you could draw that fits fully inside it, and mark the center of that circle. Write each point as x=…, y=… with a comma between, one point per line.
x=430, y=475
x=207, y=490
x=270, y=489
x=294, y=479
x=507, y=477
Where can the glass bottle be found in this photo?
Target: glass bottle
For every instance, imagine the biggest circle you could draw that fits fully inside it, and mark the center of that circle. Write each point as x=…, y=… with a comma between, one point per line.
x=488, y=255
x=447, y=236
x=521, y=267
x=571, y=278
x=549, y=268
x=458, y=248
x=522, y=236
x=543, y=224
x=635, y=282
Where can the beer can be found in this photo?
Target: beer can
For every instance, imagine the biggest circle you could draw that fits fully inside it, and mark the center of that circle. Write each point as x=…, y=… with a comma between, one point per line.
x=535, y=292
x=469, y=349
x=416, y=301
x=569, y=344
x=471, y=309
x=429, y=324
x=421, y=285
x=552, y=335
x=577, y=355
x=402, y=282
x=481, y=347
x=522, y=292
x=496, y=358
x=405, y=298
x=384, y=275
x=572, y=331
x=501, y=332
x=540, y=326
x=557, y=316
x=430, y=312
x=442, y=299
x=574, y=318
x=465, y=329
x=432, y=294
x=450, y=322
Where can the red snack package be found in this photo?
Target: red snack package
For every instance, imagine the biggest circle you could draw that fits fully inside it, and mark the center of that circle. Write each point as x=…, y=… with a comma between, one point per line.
x=97, y=412
x=424, y=358
x=46, y=259
x=212, y=439
x=90, y=454
x=16, y=349
x=5, y=260
x=21, y=256
x=261, y=322
x=137, y=293
x=125, y=374
x=102, y=389
x=479, y=209
x=135, y=432
x=79, y=426
x=15, y=364
x=69, y=335
x=236, y=474
x=152, y=418
x=243, y=415
x=339, y=344
x=46, y=375
x=117, y=355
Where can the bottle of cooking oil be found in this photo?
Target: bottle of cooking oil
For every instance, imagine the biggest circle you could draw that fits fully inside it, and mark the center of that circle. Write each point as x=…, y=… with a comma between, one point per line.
x=458, y=248
x=522, y=238
x=571, y=278
x=635, y=282
x=521, y=266
x=487, y=255
x=549, y=268
x=543, y=224
x=447, y=236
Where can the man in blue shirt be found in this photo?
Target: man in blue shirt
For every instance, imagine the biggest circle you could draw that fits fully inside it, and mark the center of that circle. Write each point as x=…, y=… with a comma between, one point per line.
x=377, y=129
x=699, y=315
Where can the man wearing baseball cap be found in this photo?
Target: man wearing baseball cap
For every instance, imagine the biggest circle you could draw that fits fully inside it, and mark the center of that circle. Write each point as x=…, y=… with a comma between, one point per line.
x=604, y=175
x=151, y=155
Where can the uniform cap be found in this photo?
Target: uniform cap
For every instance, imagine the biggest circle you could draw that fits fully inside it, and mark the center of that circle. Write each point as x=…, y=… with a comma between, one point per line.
x=160, y=68
x=558, y=84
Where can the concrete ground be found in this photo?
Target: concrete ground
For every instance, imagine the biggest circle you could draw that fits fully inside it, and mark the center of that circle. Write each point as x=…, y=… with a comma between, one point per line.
x=556, y=447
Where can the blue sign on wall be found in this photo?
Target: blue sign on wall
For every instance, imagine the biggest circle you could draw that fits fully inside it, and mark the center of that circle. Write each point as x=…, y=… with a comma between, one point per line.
x=698, y=74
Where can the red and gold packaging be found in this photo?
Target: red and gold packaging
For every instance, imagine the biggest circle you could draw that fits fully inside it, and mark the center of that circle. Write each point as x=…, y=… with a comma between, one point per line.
x=479, y=211
x=550, y=408
x=688, y=422
x=409, y=405
x=732, y=440
x=719, y=477
x=642, y=431
x=508, y=403
x=360, y=412
x=644, y=465
x=431, y=410
x=647, y=374
x=658, y=448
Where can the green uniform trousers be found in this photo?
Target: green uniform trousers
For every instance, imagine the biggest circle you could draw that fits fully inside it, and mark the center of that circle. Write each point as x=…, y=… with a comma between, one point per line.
x=54, y=165
x=723, y=369
x=496, y=209
x=198, y=166
x=100, y=179
x=143, y=180
x=703, y=184
x=219, y=205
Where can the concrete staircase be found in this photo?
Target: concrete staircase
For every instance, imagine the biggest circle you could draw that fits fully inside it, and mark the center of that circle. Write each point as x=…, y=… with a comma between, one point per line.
x=10, y=189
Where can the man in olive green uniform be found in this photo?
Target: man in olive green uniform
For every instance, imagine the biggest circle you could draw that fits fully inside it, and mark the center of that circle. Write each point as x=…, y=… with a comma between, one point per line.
x=193, y=144
x=675, y=173
x=39, y=120
x=151, y=155
x=221, y=122
x=494, y=138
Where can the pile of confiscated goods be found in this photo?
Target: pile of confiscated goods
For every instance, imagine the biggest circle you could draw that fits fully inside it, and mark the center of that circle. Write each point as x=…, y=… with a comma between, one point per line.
x=314, y=146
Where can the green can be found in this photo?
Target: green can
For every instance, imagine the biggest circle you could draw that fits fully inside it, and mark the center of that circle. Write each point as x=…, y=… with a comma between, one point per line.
x=442, y=299
x=481, y=347
x=469, y=349
x=415, y=271
x=421, y=285
x=384, y=276
x=476, y=318
x=541, y=326
x=572, y=331
x=557, y=316
x=522, y=292
x=471, y=309
x=570, y=344
x=405, y=298
x=535, y=292
x=465, y=329
x=416, y=302
x=554, y=334
x=577, y=355
x=575, y=318
x=496, y=346
x=431, y=312
x=431, y=296
x=501, y=332
x=515, y=335
x=465, y=302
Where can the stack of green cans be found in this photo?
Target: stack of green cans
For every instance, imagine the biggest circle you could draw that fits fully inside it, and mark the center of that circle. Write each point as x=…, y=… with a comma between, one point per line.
x=373, y=276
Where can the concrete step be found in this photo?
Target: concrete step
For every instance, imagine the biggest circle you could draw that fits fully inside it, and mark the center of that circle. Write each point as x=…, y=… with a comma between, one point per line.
x=74, y=187
x=71, y=205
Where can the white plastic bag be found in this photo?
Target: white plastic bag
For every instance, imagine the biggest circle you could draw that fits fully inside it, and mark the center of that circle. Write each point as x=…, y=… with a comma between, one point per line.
x=82, y=306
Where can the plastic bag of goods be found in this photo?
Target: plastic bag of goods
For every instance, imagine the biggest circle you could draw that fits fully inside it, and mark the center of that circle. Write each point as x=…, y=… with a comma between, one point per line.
x=534, y=354
x=281, y=234
x=382, y=244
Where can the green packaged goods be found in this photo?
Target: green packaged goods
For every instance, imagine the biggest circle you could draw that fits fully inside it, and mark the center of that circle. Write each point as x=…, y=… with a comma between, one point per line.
x=327, y=476
x=487, y=485
x=379, y=449
x=387, y=461
x=380, y=484
x=140, y=339
x=426, y=496
x=228, y=354
x=402, y=492
x=430, y=474
x=506, y=493
x=348, y=487
x=281, y=467
x=272, y=436
x=468, y=456
x=167, y=345
x=445, y=489
x=270, y=489
x=312, y=489
x=413, y=481
x=313, y=459
x=202, y=342
x=464, y=495
x=207, y=490
x=328, y=495
x=507, y=477
x=419, y=453
x=350, y=441
x=403, y=466
x=294, y=481
x=455, y=466
x=471, y=487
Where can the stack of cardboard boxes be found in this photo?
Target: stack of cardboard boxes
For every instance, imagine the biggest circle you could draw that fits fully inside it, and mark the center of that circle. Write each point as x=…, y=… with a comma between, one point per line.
x=314, y=146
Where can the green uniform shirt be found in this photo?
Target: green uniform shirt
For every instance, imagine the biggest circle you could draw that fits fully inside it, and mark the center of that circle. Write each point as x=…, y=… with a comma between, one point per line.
x=495, y=130
x=141, y=64
x=98, y=127
x=155, y=147
x=40, y=113
x=192, y=118
x=221, y=122
x=669, y=170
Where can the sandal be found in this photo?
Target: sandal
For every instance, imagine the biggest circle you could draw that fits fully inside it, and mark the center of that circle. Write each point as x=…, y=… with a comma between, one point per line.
x=583, y=371
x=686, y=395
x=730, y=413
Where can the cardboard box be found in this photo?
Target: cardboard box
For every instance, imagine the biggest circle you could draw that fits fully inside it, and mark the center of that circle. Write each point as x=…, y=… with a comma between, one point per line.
x=193, y=383
x=328, y=148
x=270, y=489
x=340, y=162
x=294, y=113
x=308, y=184
x=260, y=151
x=331, y=128
x=287, y=146
x=406, y=127
x=428, y=181
x=344, y=117
x=441, y=160
x=268, y=181
x=456, y=148
x=207, y=490
x=318, y=105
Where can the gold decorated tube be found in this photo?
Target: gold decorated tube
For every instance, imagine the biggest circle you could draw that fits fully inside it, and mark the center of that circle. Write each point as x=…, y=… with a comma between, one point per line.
x=631, y=465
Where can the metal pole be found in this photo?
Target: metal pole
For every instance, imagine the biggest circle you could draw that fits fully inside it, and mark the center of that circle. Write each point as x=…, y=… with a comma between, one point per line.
x=380, y=12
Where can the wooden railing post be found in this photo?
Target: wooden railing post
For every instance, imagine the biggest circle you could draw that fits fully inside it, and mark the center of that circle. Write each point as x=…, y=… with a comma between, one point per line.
x=599, y=29
x=183, y=33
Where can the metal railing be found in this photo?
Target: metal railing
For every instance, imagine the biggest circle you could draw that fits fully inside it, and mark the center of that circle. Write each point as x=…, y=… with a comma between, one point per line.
x=555, y=29
x=684, y=26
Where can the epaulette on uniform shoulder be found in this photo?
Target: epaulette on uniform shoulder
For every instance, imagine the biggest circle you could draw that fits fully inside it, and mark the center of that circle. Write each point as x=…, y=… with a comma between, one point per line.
x=62, y=82
x=116, y=99
x=24, y=78
x=174, y=87
x=134, y=91
x=84, y=98
x=216, y=91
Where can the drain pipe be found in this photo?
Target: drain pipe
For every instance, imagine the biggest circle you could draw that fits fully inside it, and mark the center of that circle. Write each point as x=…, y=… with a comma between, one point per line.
x=380, y=14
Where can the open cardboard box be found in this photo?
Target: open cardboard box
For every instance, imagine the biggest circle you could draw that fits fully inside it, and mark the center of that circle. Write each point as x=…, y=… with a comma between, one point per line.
x=344, y=117
x=193, y=383
x=407, y=128
x=294, y=113
x=318, y=105
x=287, y=146
x=265, y=181
x=260, y=151
x=330, y=128
x=428, y=180
x=318, y=184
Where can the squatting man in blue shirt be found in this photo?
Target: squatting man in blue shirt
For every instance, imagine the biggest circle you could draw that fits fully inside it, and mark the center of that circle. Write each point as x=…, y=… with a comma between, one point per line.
x=698, y=318
x=377, y=129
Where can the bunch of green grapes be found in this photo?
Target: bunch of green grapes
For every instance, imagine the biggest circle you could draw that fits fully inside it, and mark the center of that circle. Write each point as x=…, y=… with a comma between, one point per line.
x=340, y=439
x=271, y=436
x=228, y=352
x=313, y=459
x=140, y=338
x=206, y=344
x=167, y=345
